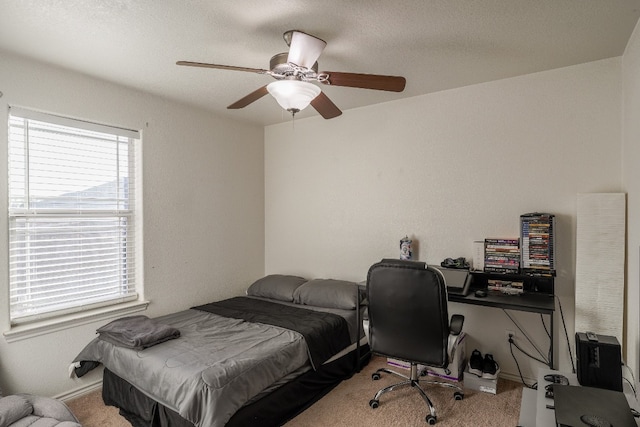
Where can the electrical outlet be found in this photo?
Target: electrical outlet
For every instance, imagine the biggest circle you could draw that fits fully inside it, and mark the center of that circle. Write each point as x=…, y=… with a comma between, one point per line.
x=509, y=334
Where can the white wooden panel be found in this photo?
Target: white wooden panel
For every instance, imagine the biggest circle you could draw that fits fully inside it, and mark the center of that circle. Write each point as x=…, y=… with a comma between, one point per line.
x=600, y=254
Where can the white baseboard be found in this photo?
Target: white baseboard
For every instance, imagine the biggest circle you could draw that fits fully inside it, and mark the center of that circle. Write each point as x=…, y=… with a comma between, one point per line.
x=80, y=391
x=516, y=378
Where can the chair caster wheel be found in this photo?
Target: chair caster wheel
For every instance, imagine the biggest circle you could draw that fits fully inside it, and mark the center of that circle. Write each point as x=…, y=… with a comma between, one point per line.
x=458, y=395
x=375, y=376
x=374, y=403
x=431, y=420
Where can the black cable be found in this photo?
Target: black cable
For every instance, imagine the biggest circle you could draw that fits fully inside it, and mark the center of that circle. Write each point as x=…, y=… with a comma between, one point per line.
x=632, y=387
x=523, y=333
x=633, y=377
x=566, y=334
x=516, y=360
x=544, y=325
x=630, y=371
x=511, y=344
x=546, y=362
x=550, y=351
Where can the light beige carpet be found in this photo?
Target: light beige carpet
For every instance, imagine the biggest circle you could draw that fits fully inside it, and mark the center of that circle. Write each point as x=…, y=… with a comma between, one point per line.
x=348, y=406
x=92, y=412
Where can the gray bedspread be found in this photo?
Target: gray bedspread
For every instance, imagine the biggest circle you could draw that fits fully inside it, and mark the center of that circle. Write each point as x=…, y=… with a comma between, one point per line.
x=215, y=367
x=325, y=333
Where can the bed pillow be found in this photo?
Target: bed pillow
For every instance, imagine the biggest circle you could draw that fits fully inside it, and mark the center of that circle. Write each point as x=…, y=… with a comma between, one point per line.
x=329, y=293
x=276, y=286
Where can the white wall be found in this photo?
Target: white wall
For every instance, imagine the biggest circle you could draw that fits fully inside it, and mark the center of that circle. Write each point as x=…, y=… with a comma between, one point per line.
x=203, y=207
x=631, y=169
x=446, y=169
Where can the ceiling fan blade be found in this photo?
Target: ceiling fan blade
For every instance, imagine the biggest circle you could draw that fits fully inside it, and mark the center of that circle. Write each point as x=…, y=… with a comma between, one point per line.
x=325, y=106
x=363, y=81
x=253, y=96
x=304, y=49
x=222, y=67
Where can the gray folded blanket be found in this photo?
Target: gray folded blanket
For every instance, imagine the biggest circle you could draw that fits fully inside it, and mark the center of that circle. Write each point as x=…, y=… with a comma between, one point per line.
x=136, y=332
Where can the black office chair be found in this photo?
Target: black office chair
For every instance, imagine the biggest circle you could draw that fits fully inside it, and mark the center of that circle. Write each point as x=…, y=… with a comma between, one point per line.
x=408, y=320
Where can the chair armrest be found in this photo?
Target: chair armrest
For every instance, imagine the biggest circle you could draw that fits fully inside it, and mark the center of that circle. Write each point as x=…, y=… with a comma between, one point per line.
x=455, y=326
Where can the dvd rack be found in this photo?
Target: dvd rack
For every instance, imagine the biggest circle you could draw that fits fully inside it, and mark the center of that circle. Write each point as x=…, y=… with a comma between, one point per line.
x=537, y=235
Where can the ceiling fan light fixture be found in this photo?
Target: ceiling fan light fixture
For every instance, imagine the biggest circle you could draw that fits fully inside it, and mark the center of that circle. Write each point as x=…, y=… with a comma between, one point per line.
x=293, y=95
x=295, y=69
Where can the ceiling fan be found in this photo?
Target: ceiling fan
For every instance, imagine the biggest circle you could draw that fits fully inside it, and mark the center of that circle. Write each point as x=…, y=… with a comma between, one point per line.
x=295, y=70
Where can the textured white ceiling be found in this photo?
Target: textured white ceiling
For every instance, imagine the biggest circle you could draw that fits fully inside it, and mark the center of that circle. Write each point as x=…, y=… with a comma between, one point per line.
x=435, y=44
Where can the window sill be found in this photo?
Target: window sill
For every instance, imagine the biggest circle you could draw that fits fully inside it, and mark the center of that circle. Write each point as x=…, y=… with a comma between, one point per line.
x=22, y=332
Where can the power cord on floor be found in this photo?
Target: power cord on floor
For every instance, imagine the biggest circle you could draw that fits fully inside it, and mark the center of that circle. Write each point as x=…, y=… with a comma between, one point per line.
x=546, y=330
x=524, y=334
x=511, y=345
x=541, y=359
x=549, y=334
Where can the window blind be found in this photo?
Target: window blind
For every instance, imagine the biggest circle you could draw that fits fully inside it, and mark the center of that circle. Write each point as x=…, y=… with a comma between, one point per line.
x=71, y=215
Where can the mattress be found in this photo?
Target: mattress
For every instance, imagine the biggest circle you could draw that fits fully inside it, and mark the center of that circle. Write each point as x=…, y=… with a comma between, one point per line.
x=220, y=364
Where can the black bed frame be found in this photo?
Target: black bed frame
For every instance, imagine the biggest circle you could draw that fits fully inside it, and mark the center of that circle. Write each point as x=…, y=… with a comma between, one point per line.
x=272, y=410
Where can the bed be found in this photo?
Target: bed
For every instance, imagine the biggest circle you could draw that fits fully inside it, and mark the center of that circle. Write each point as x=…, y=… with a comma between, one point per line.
x=255, y=360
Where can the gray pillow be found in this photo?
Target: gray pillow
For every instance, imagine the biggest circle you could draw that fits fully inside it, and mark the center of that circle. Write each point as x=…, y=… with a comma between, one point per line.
x=276, y=286
x=14, y=408
x=329, y=293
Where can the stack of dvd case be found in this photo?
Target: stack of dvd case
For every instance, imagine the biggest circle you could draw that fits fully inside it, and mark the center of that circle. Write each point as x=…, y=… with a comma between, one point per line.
x=510, y=287
x=502, y=255
x=537, y=232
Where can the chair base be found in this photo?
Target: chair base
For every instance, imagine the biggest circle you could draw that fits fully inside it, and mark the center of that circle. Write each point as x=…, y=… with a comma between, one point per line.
x=414, y=381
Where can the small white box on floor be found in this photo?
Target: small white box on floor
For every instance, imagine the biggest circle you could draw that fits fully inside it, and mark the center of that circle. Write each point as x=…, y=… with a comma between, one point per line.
x=456, y=366
x=474, y=382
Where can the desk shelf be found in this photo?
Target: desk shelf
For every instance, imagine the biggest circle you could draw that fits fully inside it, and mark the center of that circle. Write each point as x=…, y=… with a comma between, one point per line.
x=531, y=302
x=531, y=283
x=538, y=297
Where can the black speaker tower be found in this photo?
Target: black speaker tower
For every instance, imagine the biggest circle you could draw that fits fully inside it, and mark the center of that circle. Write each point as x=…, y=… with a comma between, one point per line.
x=599, y=361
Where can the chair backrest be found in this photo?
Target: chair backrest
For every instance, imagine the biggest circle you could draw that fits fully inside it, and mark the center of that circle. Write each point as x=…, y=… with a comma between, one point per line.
x=408, y=316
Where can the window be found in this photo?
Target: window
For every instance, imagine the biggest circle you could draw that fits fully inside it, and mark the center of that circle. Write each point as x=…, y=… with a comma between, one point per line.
x=72, y=237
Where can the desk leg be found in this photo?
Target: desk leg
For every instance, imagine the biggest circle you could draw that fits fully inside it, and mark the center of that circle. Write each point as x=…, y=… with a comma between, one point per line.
x=551, y=358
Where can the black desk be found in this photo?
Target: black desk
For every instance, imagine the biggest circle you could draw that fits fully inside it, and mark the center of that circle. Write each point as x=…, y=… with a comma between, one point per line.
x=535, y=303
x=531, y=301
